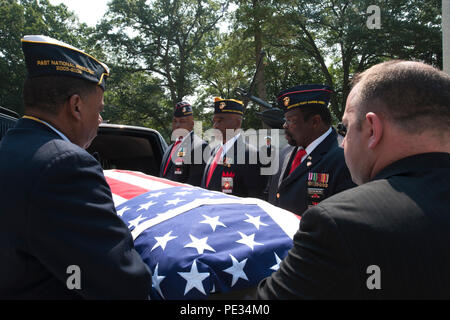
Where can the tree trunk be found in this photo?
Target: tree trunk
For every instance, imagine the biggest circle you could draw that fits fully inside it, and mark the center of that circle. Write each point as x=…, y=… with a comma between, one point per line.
x=261, y=90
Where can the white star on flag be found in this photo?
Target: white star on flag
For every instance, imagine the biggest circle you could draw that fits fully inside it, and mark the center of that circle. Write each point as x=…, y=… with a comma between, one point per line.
x=194, y=278
x=146, y=205
x=237, y=270
x=156, y=280
x=248, y=240
x=213, y=222
x=162, y=241
x=135, y=222
x=276, y=266
x=173, y=202
x=122, y=211
x=155, y=195
x=255, y=221
x=199, y=244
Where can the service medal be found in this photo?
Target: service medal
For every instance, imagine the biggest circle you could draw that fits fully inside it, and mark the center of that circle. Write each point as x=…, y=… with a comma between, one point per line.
x=179, y=161
x=227, y=182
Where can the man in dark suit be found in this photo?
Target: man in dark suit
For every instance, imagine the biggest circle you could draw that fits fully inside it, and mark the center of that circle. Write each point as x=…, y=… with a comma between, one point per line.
x=60, y=236
x=183, y=160
x=312, y=167
x=389, y=237
x=234, y=167
x=267, y=152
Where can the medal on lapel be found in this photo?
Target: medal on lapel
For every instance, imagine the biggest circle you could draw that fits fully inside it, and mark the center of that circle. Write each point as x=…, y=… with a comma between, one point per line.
x=179, y=160
x=317, y=182
x=227, y=182
x=178, y=166
x=181, y=152
x=227, y=161
x=315, y=195
x=309, y=163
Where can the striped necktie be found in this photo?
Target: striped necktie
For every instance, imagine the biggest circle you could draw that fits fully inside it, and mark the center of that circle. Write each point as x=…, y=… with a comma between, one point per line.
x=174, y=148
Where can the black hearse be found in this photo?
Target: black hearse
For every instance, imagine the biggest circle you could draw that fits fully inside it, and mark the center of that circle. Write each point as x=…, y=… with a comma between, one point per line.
x=116, y=146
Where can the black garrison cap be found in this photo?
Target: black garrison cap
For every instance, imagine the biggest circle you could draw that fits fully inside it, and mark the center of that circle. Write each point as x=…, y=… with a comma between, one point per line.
x=182, y=109
x=48, y=56
x=303, y=95
x=228, y=106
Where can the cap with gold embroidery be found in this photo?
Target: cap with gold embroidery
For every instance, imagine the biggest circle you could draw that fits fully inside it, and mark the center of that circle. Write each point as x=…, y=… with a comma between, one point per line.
x=228, y=106
x=182, y=109
x=48, y=56
x=303, y=95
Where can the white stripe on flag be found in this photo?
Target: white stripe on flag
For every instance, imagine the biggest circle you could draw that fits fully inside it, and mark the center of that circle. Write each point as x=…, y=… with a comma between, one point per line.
x=150, y=184
x=118, y=200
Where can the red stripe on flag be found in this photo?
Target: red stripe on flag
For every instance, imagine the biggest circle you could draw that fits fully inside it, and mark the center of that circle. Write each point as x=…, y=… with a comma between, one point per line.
x=125, y=190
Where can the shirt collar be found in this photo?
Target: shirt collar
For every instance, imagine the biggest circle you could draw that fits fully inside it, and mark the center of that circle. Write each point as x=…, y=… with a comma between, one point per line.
x=316, y=142
x=48, y=125
x=230, y=142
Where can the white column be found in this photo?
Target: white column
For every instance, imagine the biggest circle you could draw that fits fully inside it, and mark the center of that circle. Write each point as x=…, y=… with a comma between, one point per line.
x=446, y=35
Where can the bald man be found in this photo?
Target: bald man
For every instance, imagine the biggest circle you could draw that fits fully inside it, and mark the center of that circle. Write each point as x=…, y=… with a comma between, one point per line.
x=389, y=237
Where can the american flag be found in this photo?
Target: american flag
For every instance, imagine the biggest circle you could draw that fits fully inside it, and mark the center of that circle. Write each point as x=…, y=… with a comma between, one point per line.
x=198, y=242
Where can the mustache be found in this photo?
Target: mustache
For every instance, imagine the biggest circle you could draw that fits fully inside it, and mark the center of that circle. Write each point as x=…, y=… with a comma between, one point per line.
x=290, y=138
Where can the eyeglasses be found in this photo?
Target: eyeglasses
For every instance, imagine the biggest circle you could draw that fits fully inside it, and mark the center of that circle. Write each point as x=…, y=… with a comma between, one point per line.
x=289, y=123
x=341, y=129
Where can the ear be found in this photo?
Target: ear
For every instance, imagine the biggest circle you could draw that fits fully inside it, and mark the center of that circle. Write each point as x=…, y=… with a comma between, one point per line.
x=238, y=122
x=316, y=120
x=75, y=105
x=375, y=129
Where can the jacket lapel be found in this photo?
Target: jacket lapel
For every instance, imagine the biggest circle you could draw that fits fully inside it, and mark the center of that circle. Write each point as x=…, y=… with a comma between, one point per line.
x=208, y=165
x=165, y=157
x=311, y=160
x=286, y=164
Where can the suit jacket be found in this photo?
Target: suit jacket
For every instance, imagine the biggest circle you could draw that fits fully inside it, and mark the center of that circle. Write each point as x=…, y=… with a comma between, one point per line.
x=245, y=178
x=399, y=223
x=57, y=212
x=187, y=163
x=322, y=174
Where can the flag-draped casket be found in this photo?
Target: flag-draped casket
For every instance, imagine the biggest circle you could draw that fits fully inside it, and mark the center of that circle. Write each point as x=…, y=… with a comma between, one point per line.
x=198, y=242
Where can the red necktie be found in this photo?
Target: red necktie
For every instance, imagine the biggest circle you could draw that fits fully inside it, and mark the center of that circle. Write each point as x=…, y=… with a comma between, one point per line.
x=213, y=165
x=174, y=148
x=297, y=160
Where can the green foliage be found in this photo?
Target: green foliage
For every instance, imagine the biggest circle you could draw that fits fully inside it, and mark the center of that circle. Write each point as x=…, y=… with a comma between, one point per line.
x=135, y=98
x=164, y=51
x=28, y=17
x=161, y=43
x=335, y=36
x=164, y=38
